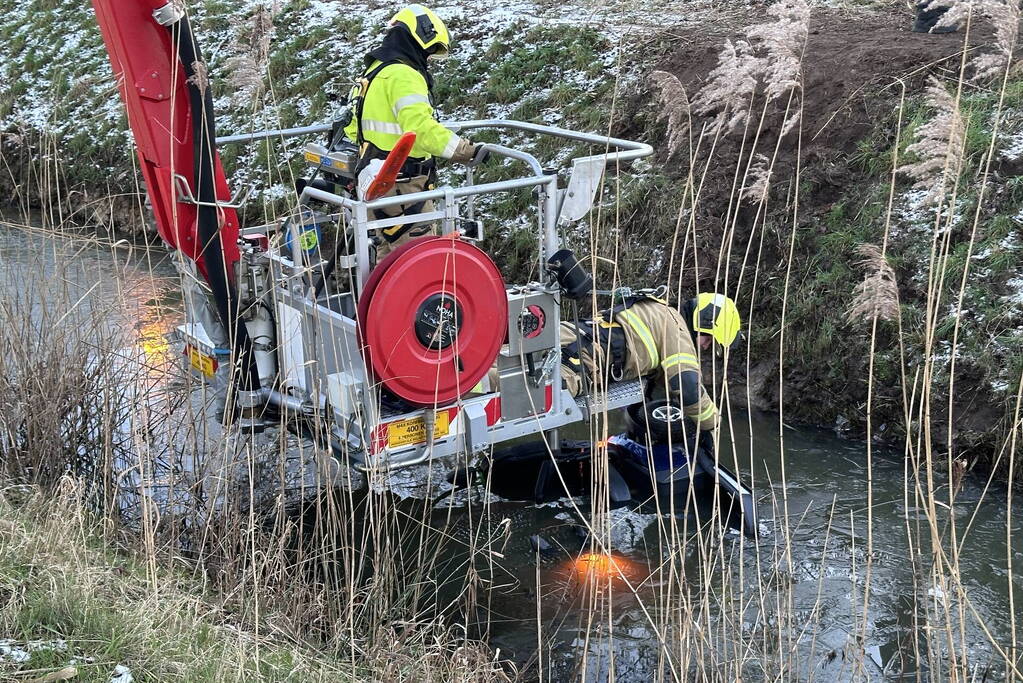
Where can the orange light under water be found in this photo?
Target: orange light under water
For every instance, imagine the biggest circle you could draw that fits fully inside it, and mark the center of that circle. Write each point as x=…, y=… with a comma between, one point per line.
x=605, y=566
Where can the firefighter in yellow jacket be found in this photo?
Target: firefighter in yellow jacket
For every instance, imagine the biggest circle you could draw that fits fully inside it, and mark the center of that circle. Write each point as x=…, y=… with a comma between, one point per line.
x=644, y=337
x=393, y=97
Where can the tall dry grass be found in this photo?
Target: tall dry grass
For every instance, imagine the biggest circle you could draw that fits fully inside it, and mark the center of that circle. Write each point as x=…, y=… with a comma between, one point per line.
x=737, y=91
x=95, y=403
x=297, y=550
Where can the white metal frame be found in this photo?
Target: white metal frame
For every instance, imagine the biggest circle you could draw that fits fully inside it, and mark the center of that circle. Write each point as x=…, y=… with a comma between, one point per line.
x=343, y=368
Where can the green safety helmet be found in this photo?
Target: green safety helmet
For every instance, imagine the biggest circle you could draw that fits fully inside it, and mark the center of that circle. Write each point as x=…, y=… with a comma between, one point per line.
x=426, y=28
x=716, y=315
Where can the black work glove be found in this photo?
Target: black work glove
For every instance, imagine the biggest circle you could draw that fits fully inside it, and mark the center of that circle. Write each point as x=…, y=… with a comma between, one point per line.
x=480, y=154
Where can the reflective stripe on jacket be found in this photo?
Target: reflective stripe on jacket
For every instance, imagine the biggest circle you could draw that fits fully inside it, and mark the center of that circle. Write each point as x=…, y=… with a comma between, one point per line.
x=398, y=101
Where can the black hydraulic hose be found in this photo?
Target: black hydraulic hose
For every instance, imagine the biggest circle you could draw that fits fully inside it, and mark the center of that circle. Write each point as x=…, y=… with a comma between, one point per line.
x=343, y=242
x=208, y=224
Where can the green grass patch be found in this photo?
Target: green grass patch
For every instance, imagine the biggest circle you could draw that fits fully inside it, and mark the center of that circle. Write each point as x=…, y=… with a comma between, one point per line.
x=61, y=581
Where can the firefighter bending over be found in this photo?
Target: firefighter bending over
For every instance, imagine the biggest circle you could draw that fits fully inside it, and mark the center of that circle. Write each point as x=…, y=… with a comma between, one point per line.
x=395, y=96
x=645, y=337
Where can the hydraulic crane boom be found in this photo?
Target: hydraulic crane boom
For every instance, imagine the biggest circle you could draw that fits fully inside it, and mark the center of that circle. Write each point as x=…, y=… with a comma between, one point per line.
x=166, y=92
x=154, y=88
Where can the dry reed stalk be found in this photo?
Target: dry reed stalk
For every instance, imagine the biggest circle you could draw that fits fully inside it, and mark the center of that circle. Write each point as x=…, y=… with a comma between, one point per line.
x=698, y=613
x=709, y=646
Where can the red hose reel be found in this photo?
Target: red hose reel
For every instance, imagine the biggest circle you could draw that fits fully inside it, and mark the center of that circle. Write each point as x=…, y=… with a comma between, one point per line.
x=432, y=318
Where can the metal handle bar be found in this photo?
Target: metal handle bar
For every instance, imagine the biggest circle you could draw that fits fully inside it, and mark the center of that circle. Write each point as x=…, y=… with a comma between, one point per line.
x=524, y=157
x=440, y=193
x=184, y=194
x=538, y=178
x=628, y=149
x=278, y=133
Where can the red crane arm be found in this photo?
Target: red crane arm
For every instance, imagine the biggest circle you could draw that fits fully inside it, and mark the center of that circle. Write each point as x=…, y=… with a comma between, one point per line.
x=152, y=84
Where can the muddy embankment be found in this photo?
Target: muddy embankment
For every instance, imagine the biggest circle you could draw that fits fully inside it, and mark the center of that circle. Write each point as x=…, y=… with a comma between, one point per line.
x=862, y=76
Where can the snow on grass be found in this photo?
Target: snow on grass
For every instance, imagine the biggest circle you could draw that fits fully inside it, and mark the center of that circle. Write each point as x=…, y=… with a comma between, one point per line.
x=20, y=652
x=1012, y=148
x=550, y=63
x=1015, y=287
x=911, y=213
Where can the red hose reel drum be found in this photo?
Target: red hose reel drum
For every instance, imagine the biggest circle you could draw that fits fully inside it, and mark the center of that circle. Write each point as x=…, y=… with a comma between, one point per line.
x=432, y=318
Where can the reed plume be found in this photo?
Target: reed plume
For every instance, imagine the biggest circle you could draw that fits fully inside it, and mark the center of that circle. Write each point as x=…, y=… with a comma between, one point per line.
x=1004, y=17
x=770, y=61
x=674, y=103
x=758, y=180
x=246, y=70
x=939, y=146
x=878, y=294
x=730, y=86
x=782, y=43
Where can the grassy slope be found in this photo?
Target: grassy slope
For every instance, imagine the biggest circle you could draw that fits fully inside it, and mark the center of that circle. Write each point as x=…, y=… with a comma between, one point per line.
x=59, y=579
x=989, y=360
x=506, y=65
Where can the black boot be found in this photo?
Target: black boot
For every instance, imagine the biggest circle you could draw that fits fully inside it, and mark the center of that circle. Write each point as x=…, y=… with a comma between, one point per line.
x=926, y=19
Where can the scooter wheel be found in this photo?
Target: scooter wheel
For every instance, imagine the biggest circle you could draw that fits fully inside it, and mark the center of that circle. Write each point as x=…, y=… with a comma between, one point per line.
x=660, y=421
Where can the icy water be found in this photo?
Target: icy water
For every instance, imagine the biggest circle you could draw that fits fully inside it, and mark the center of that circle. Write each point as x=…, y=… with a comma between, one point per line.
x=821, y=481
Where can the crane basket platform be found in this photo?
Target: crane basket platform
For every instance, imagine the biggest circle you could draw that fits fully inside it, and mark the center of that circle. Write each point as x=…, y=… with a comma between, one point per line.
x=318, y=362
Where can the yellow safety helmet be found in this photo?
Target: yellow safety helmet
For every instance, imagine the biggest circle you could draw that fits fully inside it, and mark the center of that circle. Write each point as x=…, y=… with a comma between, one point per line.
x=426, y=28
x=718, y=316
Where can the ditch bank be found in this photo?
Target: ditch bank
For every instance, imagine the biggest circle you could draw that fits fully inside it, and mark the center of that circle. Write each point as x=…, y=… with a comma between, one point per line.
x=863, y=73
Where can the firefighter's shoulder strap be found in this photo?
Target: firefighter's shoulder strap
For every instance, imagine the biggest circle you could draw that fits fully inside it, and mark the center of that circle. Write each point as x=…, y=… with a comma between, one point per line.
x=608, y=332
x=611, y=338
x=360, y=98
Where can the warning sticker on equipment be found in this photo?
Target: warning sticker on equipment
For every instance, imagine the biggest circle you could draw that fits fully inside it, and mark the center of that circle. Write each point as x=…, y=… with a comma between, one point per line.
x=201, y=362
x=413, y=430
x=308, y=240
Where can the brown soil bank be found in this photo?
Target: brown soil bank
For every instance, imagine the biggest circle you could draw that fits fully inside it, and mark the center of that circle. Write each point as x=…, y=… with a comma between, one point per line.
x=857, y=68
x=854, y=69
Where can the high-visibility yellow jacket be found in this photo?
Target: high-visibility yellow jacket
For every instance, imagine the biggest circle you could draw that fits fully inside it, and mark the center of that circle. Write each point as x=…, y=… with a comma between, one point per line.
x=398, y=101
x=660, y=347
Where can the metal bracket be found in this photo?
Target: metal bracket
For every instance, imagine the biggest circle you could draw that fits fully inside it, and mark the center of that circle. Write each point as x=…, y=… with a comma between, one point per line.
x=170, y=13
x=477, y=438
x=547, y=367
x=587, y=174
x=470, y=229
x=450, y=211
x=184, y=195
